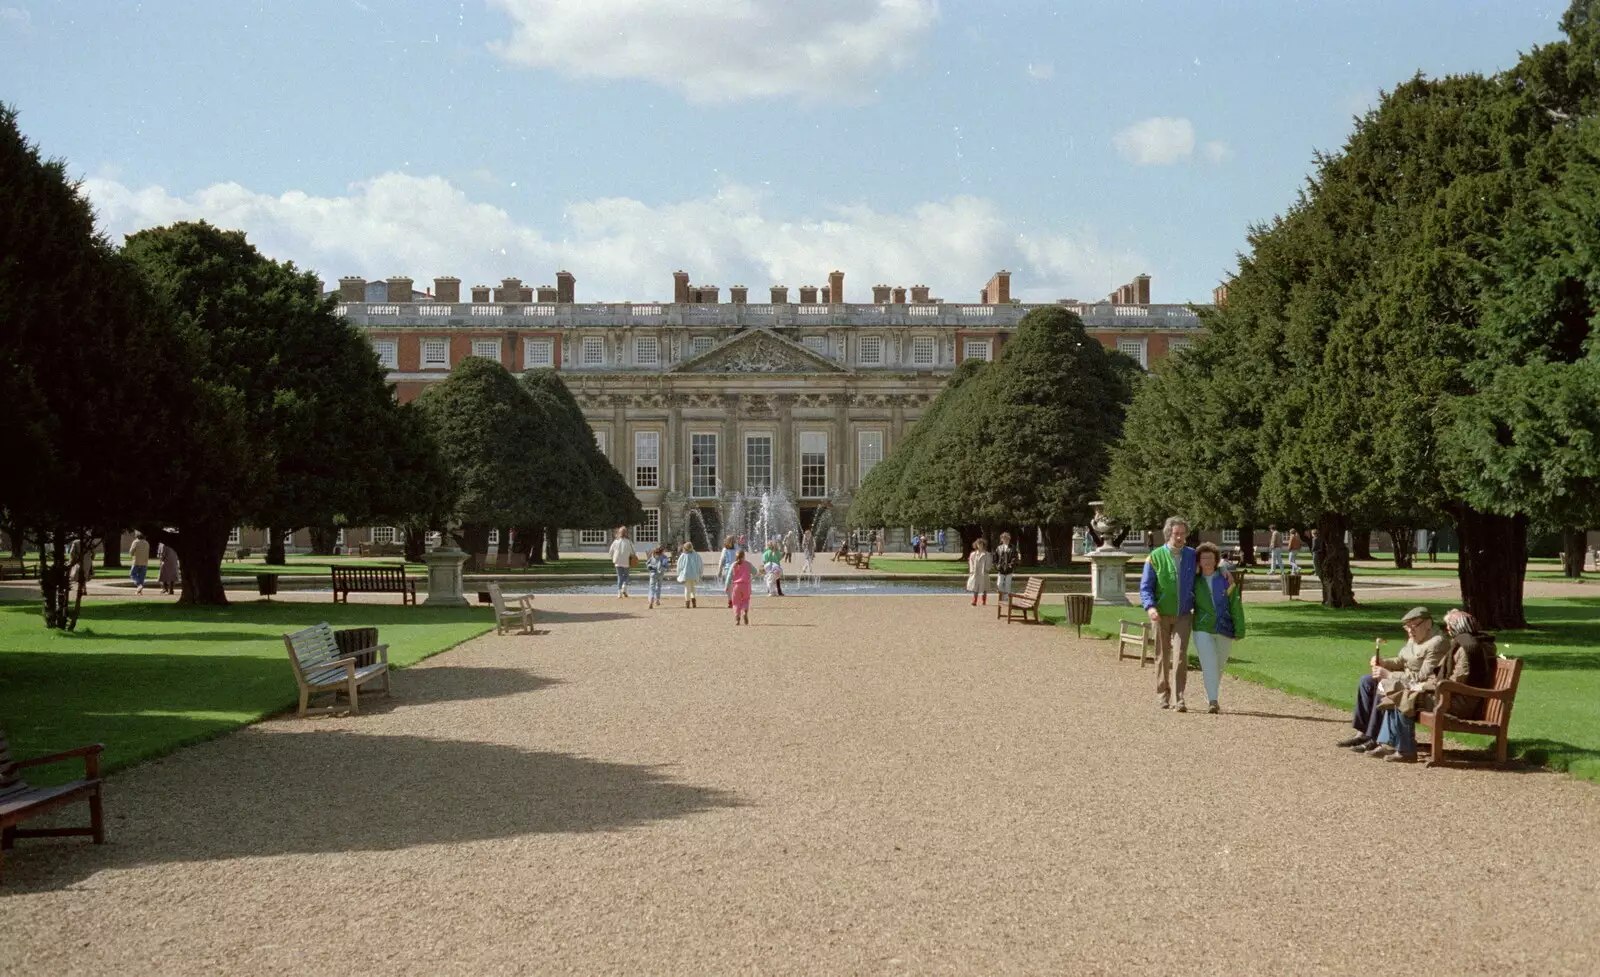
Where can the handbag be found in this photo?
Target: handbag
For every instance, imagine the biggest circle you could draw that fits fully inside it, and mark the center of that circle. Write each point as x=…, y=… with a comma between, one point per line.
x=972, y=583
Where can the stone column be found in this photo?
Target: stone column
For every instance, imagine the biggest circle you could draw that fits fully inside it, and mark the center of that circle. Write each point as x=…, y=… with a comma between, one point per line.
x=839, y=479
x=445, y=584
x=674, y=517
x=728, y=467
x=783, y=465
x=670, y=452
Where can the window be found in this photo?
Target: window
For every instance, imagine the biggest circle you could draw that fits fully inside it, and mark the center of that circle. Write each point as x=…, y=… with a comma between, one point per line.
x=594, y=351
x=593, y=537
x=494, y=537
x=647, y=459
x=646, y=351
x=975, y=349
x=701, y=344
x=538, y=353
x=288, y=538
x=489, y=349
x=1132, y=347
x=384, y=534
x=817, y=344
x=869, y=451
x=600, y=442
x=871, y=349
x=703, y=466
x=234, y=535
x=435, y=354
x=388, y=351
x=758, y=463
x=813, y=464
x=649, y=531
x=1177, y=343
x=923, y=351
x=1230, y=537
x=339, y=540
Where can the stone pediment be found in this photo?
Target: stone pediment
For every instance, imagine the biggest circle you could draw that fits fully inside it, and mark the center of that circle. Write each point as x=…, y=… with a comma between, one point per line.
x=759, y=351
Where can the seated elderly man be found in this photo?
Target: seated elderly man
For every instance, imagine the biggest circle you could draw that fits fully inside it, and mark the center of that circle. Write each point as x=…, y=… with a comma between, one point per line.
x=1401, y=685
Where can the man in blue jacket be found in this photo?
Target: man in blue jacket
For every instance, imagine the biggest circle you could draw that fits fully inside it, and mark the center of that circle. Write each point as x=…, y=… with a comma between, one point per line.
x=1166, y=590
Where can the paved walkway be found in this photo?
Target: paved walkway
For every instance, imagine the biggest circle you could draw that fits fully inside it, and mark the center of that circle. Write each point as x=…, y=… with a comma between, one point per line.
x=852, y=785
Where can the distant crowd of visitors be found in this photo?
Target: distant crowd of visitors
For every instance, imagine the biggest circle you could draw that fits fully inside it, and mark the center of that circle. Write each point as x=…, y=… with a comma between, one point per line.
x=735, y=572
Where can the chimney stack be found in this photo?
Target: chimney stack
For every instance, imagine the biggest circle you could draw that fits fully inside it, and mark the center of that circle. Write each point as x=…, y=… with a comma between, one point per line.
x=808, y=295
x=706, y=294
x=549, y=293
x=836, y=287
x=352, y=288
x=899, y=295
x=780, y=295
x=738, y=295
x=880, y=294
x=447, y=289
x=525, y=293
x=826, y=298
x=998, y=291
x=919, y=295
x=399, y=289
x=480, y=294
x=510, y=290
x=1219, y=295
x=1141, y=290
x=566, y=287
x=680, y=287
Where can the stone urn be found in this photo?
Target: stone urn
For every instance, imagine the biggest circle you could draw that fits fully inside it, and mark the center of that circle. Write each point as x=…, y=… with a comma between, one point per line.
x=1109, y=581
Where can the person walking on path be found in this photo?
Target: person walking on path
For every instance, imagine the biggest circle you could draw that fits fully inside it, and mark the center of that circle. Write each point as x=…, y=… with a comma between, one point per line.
x=169, y=577
x=738, y=587
x=941, y=541
x=622, y=558
x=1166, y=589
x=139, y=562
x=689, y=567
x=726, y=561
x=1218, y=619
x=978, y=564
x=1275, y=550
x=788, y=547
x=657, y=564
x=1294, y=550
x=1005, y=564
x=808, y=553
x=83, y=560
x=772, y=568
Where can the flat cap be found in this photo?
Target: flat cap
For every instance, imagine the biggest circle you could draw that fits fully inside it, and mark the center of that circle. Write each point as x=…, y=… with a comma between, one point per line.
x=1416, y=614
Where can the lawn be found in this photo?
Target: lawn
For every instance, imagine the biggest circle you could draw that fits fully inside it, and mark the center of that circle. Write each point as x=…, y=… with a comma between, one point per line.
x=1308, y=650
x=305, y=565
x=146, y=678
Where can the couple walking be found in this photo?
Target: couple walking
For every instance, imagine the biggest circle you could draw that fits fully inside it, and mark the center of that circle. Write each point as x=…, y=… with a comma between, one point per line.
x=1186, y=591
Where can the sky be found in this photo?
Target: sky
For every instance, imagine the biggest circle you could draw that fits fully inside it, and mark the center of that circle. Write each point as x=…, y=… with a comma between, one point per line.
x=747, y=142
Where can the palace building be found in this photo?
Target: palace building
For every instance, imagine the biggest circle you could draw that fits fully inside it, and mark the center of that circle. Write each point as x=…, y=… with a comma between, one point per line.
x=698, y=398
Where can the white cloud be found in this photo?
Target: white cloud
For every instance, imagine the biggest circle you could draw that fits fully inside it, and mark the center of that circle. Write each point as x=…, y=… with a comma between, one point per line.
x=15, y=17
x=1041, y=70
x=1156, y=142
x=623, y=249
x=1217, y=151
x=720, y=50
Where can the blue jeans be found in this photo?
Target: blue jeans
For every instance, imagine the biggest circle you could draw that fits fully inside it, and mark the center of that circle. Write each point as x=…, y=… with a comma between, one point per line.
x=655, y=586
x=137, y=575
x=622, y=578
x=1399, y=732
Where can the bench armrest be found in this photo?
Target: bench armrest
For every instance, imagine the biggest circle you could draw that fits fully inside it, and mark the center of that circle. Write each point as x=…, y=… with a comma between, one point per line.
x=1458, y=688
x=90, y=754
x=382, y=652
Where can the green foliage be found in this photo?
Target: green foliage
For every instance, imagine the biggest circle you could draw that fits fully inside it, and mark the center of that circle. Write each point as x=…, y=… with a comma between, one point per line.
x=597, y=494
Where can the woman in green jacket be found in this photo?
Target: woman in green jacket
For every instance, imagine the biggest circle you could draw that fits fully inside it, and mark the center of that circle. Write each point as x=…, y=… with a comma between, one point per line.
x=1218, y=618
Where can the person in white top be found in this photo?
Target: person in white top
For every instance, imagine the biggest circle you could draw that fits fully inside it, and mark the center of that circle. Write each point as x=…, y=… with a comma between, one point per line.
x=622, y=557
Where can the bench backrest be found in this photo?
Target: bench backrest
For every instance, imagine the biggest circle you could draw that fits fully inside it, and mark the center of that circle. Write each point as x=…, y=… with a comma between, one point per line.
x=1034, y=587
x=497, y=598
x=1507, y=673
x=11, y=782
x=312, y=648
x=11, y=561
x=368, y=578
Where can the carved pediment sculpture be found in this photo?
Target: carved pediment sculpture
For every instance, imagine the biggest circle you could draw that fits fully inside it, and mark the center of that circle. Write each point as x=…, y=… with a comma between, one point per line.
x=759, y=351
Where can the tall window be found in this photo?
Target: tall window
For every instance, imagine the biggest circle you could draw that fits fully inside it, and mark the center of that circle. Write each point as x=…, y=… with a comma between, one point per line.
x=388, y=351
x=703, y=466
x=538, y=353
x=1177, y=343
x=494, y=537
x=600, y=442
x=594, y=351
x=593, y=537
x=489, y=349
x=758, y=462
x=1230, y=537
x=646, y=351
x=435, y=354
x=871, y=349
x=701, y=344
x=1134, y=348
x=649, y=531
x=869, y=451
x=813, y=464
x=975, y=349
x=647, y=459
x=817, y=344
x=384, y=534
x=234, y=535
x=923, y=351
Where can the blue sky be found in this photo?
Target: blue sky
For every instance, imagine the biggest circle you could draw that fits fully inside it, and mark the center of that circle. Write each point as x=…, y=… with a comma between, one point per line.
x=747, y=141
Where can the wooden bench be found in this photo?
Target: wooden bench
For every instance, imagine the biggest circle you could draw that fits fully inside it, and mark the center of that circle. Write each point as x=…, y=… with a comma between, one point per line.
x=320, y=666
x=1142, y=637
x=16, y=568
x=505, y=618
x=861, y=560
x=1024, y=603
x=20, y=801
x=372, y=580
x=1497, y=702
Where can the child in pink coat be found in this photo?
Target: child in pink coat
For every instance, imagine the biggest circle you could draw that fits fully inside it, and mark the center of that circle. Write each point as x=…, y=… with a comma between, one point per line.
x=739, y=578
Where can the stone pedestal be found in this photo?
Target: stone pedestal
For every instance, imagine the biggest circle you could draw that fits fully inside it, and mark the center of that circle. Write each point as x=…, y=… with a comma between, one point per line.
x=444, y=578
x=1109, y=581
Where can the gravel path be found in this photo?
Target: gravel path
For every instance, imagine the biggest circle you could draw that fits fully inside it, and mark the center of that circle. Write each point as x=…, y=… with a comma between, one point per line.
x=852, y=785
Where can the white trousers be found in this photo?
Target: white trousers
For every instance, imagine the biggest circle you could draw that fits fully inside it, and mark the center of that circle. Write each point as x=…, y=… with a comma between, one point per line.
x=1213, y=650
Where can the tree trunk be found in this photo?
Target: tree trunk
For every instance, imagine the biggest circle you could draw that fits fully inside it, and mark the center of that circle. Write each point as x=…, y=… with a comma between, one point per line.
x=1057, y=545
x=1027, y=538
x=1574, y=541
x=475, y=540
x=275, y=555
x=1361, y=543
x=19, y=539
x=200, y=547
x=1337, y=587
x=416, y=543
x=969, y=535
x=1247, y=545
x=111, y=545
x=55, y=583
x=323, y=540
x=1403, y=540
x=531, y=539
x=1494, y=561
x=552, y=544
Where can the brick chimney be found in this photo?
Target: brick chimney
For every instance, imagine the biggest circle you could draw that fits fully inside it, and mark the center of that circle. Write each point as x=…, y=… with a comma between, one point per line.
x=836, y=287
x=780, y=295
x=352, y=288
x=549, y=293
x=510, y=290
x=706, y=294
x=480, y=294
x=826, y=298
x=1219, y=295
x=1141, y=290
x=808, y=295
x=919, y=295
x=447, y=289
x=680, y=287
x=399, y=289
x=880, y=294
x=899, y=295
x=998, y=291
x=738, y=294
x=566, y=287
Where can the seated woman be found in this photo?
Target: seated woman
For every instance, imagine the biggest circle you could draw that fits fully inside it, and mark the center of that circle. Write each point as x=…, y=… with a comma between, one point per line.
x=844, y=551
